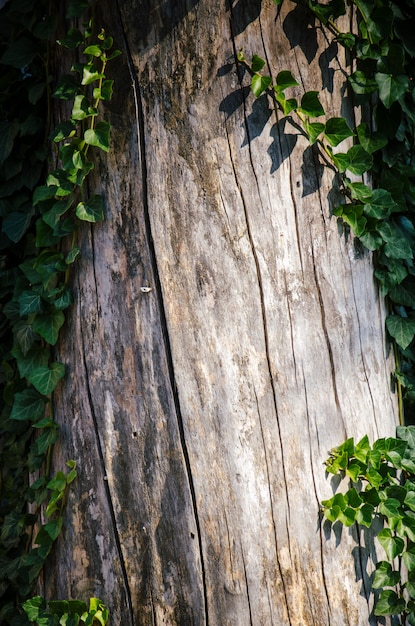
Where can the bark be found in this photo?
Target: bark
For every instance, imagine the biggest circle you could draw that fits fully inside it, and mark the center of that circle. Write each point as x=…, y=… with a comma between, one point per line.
x=200, y=411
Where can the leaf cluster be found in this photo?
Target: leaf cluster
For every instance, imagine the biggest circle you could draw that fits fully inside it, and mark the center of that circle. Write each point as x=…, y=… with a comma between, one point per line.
x=40, y=211
x=382, y=214
x=383, y=488
x=65, y=612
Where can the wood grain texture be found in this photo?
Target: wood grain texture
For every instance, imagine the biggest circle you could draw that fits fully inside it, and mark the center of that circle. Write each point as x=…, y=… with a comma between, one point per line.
x=200, y=412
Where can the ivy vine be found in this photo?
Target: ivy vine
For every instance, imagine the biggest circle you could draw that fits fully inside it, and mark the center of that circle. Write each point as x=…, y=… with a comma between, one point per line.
x=42, y=201
x=382, y=216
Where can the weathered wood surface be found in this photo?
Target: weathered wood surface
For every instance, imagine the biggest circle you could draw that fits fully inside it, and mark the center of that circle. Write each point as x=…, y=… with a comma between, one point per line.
x=200, y=412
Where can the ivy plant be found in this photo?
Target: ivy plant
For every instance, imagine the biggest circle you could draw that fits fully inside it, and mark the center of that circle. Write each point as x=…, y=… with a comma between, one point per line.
x=383, y=489
x=41, y=208
x=382, y=214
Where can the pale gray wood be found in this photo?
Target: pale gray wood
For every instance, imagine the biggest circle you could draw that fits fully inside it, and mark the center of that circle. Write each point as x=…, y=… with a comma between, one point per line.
x=201, y=411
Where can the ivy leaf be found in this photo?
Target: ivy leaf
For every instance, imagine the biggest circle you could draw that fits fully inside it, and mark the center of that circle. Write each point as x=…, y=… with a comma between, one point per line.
x=28, y=405
x=259, y=84
x=361, y=84
x=402, y=329
x=24, y=335
x=391, y=88
x=33, y=607
x=365, y=515
x=20, y=53
x=66, y=88
x=390, y=508
x=392, y=545
x=371, y=142
x=257, y=63
x=397, y=245
x=389, y=603
x=284, y=80
x=92, y=210
x=99, y=136
x=72, y=40
x=16, y=224
x=313, y=130
x=409, y=558
x=96, y=51
x=80, y=109
x=30, y=302
x=105, y=92
x=381, y=205
x=90, y=74
x=45, y=379
x=360, y=161
x=407, y=433
x=311, y=105
x=404, y=294
x=337, y=130
x=385, y=576
x=35, y=357
x=48, y=325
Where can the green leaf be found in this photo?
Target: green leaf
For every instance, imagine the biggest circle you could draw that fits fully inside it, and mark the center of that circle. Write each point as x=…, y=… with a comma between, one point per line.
x=365, y=515
x=371, y=142
x=313, y=130
x=16, y=224
x=27, y=405
x=360, y=161
x=402, y=329
x=92, y=210
x=362, y=448
x=385, y=576
x=45, y=379
x=259, y=84
x=90, y=74
x=341, y=161
x=73, y=39
x=397, y=245
x=409, y=558
x=391, y=88
x=311, y=105
x=284, y=80
x=361, y=84
x=257, y=63
x=30, y=302
x=80, y=109
x=33, y=607
x=67, y=87
x=404, y=293
x=407, y=433
x=99, y=136
x=62, y=131
x=77, y=8
x=96, y=51
x=20, y=52
x=390, y=508
x=105, y=91
x=35, y=357
x=24, y=335
x=337, y=130
x=389, y=603
x=48, y=326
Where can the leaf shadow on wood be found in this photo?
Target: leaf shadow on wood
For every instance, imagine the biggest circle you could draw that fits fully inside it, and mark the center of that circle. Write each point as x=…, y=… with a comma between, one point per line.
x=257, y=119
x=299, y=28
x=243, y=13
x=282, y=145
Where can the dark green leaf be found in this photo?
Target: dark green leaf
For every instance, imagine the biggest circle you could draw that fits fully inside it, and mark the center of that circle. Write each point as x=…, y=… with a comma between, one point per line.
x=311, y=105
x=409, y=558
x=390, y=508
x=404, y=293
x=28, y=405
x=360, y=161
x=285, y=79
x=66, y=88
x=361, y=84
x=20, y=53
x=365, y=515
x=391, y=88
x=337, y=130
x=45, y=379
x=48, y=326
x=385, y=576
x=257, y=63
x=30, y=302
x=402, y=329
x=389, y=603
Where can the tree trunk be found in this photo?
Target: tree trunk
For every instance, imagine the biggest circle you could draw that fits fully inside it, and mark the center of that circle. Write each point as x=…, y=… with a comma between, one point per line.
x=200, y=410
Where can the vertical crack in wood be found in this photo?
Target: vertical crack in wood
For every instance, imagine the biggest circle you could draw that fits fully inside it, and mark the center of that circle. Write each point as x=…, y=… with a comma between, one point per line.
x=328, y=344
x=310, y=439
x=106, y=484
x=272, y=509
x=159, y=296
x=247, y=588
